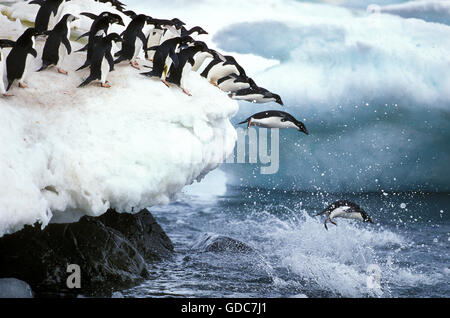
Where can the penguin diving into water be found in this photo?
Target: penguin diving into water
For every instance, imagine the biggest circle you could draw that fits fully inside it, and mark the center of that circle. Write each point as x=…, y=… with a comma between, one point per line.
x=165, y=55
x=4, y=44
x=57, y=46
x=134, y=40
x=344, y=209
x=256, y=95
x=48, y=13
x=102, y=61
x=275, y=119
x=18, y=60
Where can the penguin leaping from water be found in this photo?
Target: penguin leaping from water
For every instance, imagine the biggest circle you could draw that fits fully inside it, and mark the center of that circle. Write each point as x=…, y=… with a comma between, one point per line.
x=275, y=119
x=57, y=46
x=344, y=209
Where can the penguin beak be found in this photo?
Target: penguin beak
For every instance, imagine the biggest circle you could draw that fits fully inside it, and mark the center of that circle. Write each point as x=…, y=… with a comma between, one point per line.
x=302, y=128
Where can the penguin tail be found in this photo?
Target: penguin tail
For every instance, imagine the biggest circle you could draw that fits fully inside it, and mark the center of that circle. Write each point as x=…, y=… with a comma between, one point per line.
x=43, y=67
x=10, y=82
x=150, y=74
x=86, y=64
x=86, y=81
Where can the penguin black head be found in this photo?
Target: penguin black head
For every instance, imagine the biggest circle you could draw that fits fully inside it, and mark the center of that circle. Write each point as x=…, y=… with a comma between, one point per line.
x=27, y=35
x=301, y=127
x=6, y=43
x=113, y=37
x=177, y=23
x=277, y=99
x=197, y=29
x=113, y=18
x=130, y=13
x=69, y=17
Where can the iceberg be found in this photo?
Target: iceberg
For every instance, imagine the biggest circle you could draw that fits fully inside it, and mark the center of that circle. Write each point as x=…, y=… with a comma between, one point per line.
x=67, y=152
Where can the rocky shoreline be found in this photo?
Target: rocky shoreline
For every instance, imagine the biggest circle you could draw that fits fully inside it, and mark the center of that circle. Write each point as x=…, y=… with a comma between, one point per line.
x=112, y=252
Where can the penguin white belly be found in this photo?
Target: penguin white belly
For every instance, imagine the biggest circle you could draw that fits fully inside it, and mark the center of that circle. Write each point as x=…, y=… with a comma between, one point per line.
x=62, y=51
x=339, y=212
x=54, y=19
x=249, y=97
x=153, y=40
x=137, y=48
x=218, y=71
x=273, y=122
x=105, y=70
x=230, y=86
x=184, y=74
x=199, y=58
x=28, y=61
x=263, y=99
x=2, y=74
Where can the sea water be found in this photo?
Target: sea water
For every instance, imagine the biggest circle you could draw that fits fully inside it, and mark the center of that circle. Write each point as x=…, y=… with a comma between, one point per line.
x=404, y=254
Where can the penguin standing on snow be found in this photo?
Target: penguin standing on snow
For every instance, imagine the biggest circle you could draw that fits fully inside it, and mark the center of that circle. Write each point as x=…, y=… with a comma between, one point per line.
x=134, y=40
x=4, y=44
x=345, y=209
x=18, y=60
x=165, y=55
x=275, y=119
x=186, y=59
x=102, y=61
x=99, y=28
x=48, y=13
x=54, y=51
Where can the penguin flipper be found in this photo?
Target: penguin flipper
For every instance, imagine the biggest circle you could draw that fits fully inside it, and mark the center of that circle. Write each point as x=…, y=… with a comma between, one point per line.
x=33, y=52
x=66, y=43
x=90, y=15
x=174, y=57
x=87, y=81
x=39, y=2
x=86, y=64
x=110, y=60
x=82, y=36
x=84, y=48
x=142, y=37
x=245, y=121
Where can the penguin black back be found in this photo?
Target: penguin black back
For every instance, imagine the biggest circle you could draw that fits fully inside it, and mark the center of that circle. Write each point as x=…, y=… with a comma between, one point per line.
x=47, y=7
x=133, y=31
x=16, y=60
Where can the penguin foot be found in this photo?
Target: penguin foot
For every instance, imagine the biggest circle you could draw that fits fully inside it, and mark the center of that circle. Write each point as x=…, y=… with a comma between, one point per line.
x=186, y=92
x=333, y=222
x=105, y=85
x=325, y=223
x=61, y=71
x=21, y=85
x=165, y=83
x=7, y=94
x=135, y=65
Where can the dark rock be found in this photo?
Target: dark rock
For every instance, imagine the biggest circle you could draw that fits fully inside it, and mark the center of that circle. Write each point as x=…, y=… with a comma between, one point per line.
x=112, y=250
x=211, y=242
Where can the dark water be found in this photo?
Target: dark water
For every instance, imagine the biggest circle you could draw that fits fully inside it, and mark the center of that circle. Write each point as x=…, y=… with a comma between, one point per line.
x=406, y=254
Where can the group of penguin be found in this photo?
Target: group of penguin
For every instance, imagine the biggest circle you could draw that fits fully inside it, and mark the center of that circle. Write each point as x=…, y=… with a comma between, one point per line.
x=173, y=50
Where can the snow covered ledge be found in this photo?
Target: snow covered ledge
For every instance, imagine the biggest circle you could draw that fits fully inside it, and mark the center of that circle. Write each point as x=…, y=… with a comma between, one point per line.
x=67, y=151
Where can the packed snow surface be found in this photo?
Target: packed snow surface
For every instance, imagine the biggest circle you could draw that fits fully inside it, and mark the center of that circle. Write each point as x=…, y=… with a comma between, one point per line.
x=68, y=151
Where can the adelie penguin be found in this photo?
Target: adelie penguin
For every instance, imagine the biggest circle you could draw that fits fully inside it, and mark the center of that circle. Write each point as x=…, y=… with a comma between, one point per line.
x=99, y=28
x=4, y=44
x=256, y=95
x=165, y=55
x=134, y=40
x=344, y=209
x=275, y=119
x=102, y=61
x=18, y=60
x=220, y=67
x=186, y=59
x=48, y=13
x=57, y=46
x=232, y=83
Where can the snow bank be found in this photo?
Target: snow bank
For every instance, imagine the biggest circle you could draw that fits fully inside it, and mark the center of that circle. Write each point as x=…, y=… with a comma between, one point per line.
x=67, y=151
